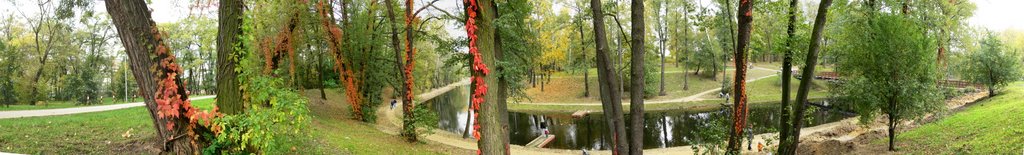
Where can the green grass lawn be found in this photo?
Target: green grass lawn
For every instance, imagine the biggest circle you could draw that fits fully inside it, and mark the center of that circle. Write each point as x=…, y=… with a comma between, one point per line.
x=332, y=132
x=88, y=133
x=770, y=89
x=62, y=104
x=337, y=133
x=992, y=126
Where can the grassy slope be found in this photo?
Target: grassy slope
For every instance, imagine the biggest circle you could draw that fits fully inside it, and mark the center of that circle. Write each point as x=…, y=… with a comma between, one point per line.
x=89, y=133
x=992, y=126
x=764, y=91
x=339, y=134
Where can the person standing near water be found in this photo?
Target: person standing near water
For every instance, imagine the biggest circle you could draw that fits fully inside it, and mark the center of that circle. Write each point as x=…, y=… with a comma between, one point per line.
x=750, y=137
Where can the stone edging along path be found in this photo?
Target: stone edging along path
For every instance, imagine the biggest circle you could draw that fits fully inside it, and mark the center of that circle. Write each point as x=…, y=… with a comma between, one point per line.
x=76, y=110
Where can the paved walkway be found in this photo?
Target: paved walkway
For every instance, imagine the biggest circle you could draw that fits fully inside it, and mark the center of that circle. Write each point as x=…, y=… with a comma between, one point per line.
x=76, y=110
x=695, y=97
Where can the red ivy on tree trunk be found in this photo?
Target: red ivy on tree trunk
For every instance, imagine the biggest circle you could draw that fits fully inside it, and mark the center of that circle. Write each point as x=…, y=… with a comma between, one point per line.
x=478, y=67
x=334, y=35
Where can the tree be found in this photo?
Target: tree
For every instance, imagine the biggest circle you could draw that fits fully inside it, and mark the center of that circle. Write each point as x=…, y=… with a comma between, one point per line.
x=491, y=127
x=159, y=79
x=808, y=72
x=45, y=16
x=785, y=111
x=660, y=26
x=740, y=109
x=10, y=69
x=611, y=98
x=636, y=93
x=892, y=72
x=992, y=65
x=407, y=128
x=680, y=32
x=229, y=96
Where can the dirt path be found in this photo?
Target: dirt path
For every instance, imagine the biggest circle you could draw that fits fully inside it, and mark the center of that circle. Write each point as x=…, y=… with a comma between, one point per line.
x=695, y=97
x=76, y=110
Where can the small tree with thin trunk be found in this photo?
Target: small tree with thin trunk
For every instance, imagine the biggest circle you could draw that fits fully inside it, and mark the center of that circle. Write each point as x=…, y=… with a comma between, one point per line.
x=892, y=71
x=993, y=65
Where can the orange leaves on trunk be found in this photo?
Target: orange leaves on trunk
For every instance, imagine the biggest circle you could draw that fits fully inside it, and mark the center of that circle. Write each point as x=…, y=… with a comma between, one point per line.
x=171, y=96
x=276, y=48
x=479, y=69
x=409, y=53
x=334, y=37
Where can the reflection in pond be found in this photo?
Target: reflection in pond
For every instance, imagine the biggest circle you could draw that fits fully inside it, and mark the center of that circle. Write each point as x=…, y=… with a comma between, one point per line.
x=662, y=129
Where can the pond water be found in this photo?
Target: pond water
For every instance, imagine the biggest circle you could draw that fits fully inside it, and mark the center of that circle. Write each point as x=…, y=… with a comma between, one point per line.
x=662, y=129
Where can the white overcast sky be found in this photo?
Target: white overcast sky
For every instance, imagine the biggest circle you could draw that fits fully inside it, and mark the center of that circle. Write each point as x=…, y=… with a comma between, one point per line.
x=996, y=15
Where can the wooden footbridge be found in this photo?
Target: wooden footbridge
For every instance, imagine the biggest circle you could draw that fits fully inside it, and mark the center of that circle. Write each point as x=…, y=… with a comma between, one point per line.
x=541, y=141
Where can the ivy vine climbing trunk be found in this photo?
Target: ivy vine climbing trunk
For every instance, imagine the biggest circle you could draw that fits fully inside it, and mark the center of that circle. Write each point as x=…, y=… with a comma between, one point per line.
x=334, y=37
x=408, y=130
x=158, y=76
x=490, y=127
x=229, y=97
x=611, y=97
x=740, y=109
x=636, y=89
x=408, y=127
x=808, y=73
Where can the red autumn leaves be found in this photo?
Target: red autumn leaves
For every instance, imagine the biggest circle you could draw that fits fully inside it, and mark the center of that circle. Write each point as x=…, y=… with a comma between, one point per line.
x=478, y=67
x=171, y=98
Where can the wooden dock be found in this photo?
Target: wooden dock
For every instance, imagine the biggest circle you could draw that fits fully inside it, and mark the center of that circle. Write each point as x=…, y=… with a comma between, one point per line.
x=541, y=141
x=580, y=114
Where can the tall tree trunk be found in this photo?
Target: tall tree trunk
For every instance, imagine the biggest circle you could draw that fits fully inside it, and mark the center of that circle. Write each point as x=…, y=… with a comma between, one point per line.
x=611, y=98
x=808, y=72
x=407, y=104
x=485, y=47
x=636, y=92
x=661, y=33
x=740, y=109
x=144, y=47
x=686, y=58
x=229, y=97
x=586, y=67
x=320, y=75
x=407, y=129
x=785, y=127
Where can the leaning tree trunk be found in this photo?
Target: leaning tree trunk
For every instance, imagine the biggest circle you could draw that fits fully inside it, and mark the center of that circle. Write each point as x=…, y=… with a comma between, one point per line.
x=740, y=110
x=492, y=127
x=808, y=73
x=636, y=92
x=158, y=77
x=785, y=111
x=611, y=98
x=229, y=97
x=408, y=130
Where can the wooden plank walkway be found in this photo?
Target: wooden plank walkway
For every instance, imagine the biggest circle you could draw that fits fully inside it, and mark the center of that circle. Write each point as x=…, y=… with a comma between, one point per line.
x=541, y=141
